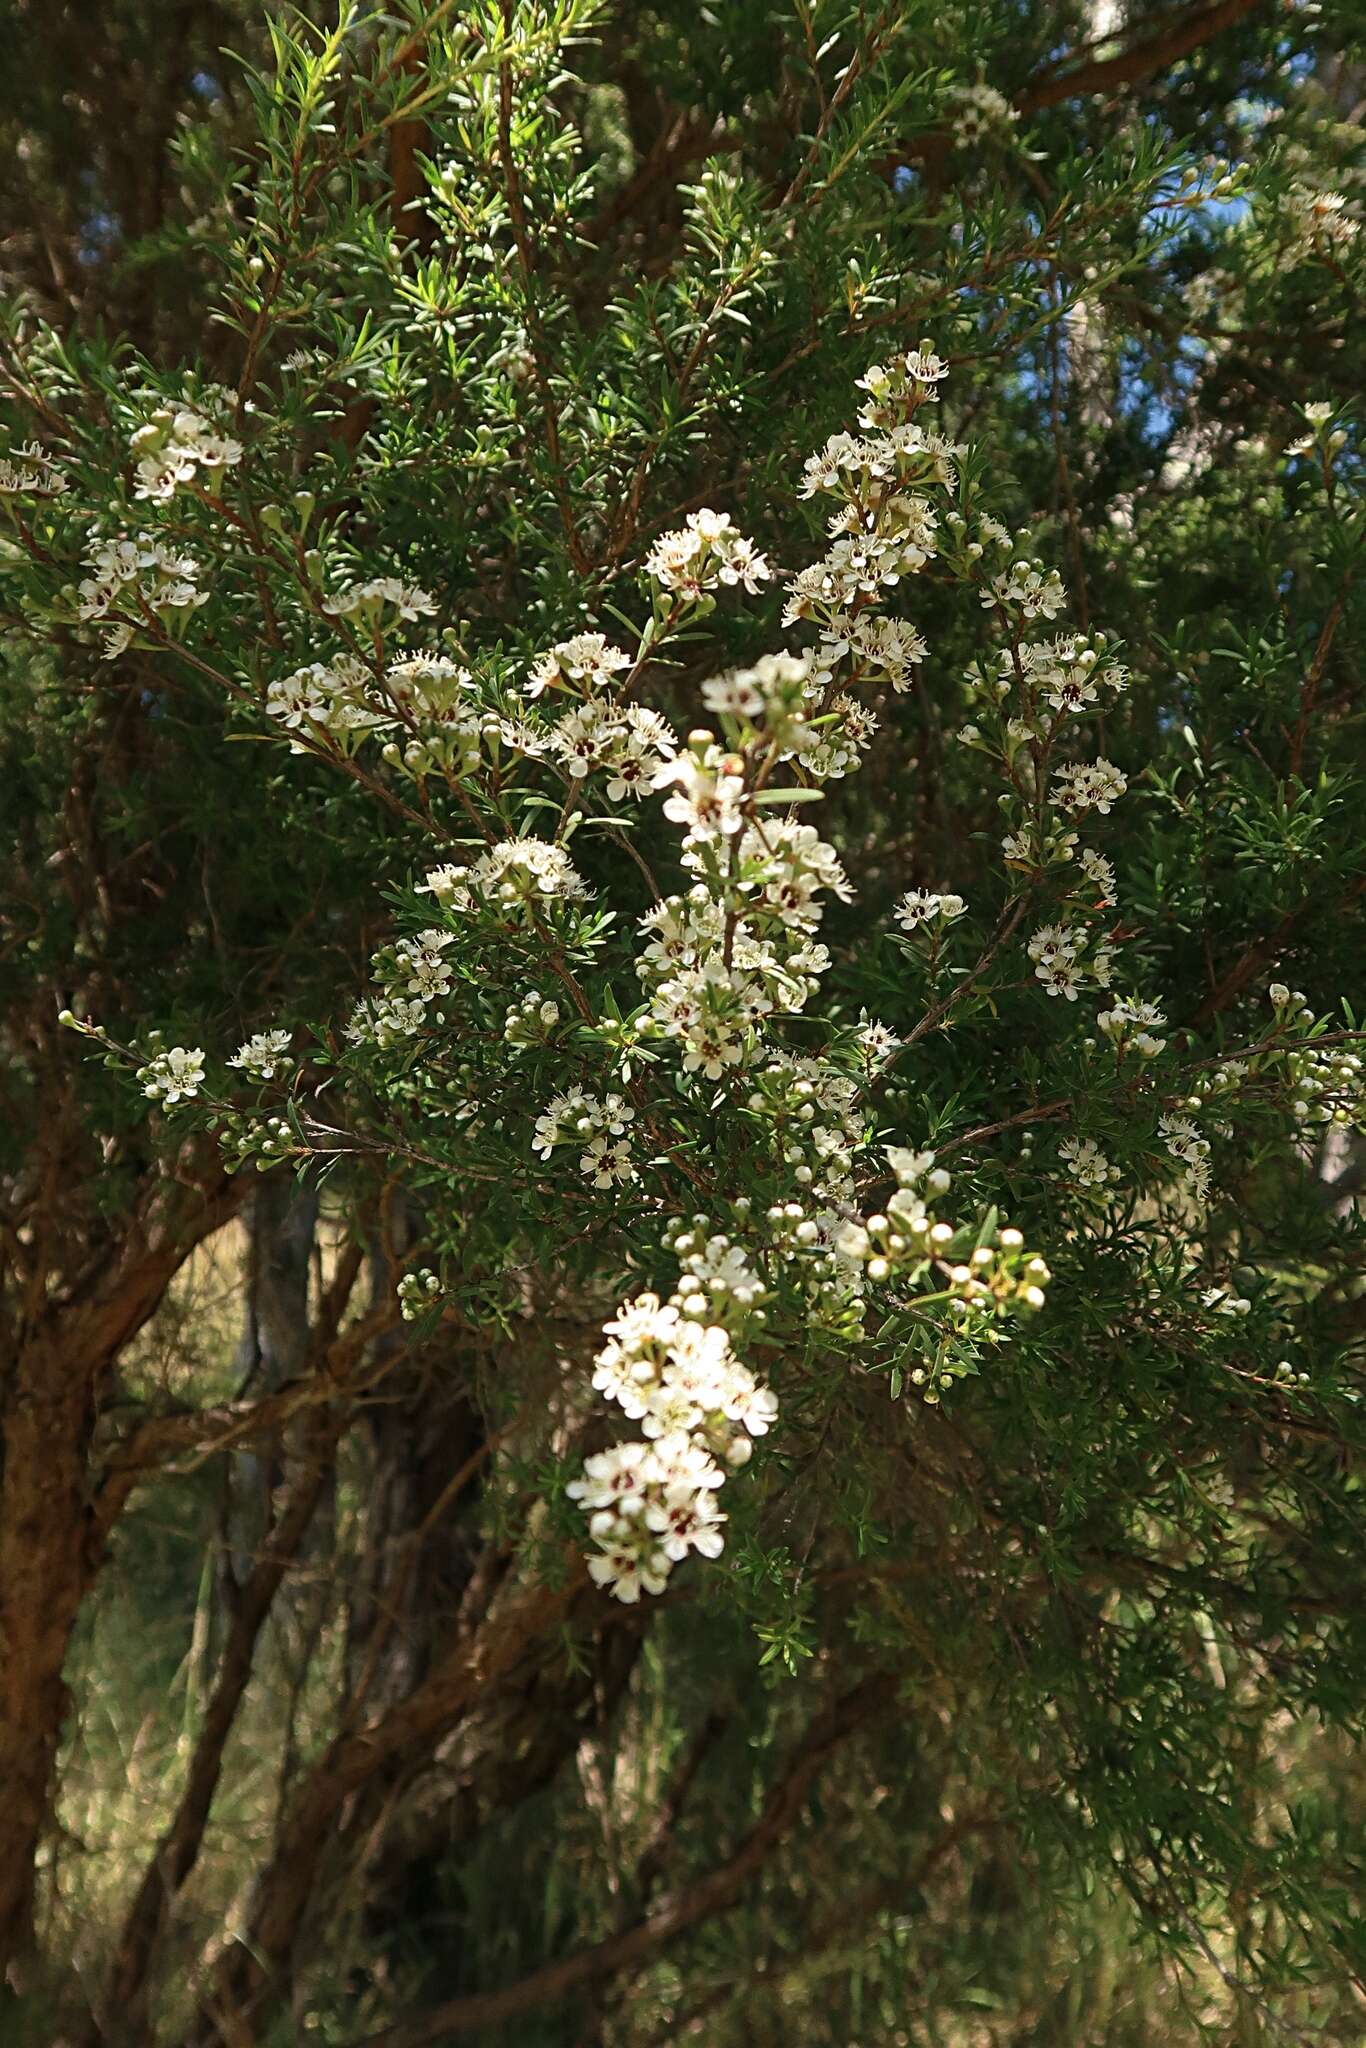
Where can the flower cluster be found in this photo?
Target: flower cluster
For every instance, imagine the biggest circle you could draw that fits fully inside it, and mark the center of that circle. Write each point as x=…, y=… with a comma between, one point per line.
x=598, y=1125
x=920, y=908
x=731, y=957
x=627, y=743
x=531, y=1021
x=368, y=603
x=263, y=1056
x=704, y=555
x=981, y=1273
x=586, y=662
x=1327, y=1082
x=1129, y=1023
x=1185, y=1143
x=30, y=472
x=652, y=1501
x=517, y=878
x=415, y=975
x=1088, y=786
x=1086, y=1165
x=175, y=1075
x=1321, y=223
x=417, y=1292
x=979, y=110
x=332, y=697
x=1063, y=963
x=137, y=581
x=178, y=446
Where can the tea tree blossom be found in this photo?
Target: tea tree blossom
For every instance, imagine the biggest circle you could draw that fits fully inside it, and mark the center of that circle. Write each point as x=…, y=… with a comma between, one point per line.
x=979, y=110
x=177, y=446
x=1086, y=1164
x=705, y=555
x=628, y=745
x=28, y=471
x=513, y=878
x=135, y=582
x=263, y=1056
x=588, y=660
x=919, y=907
x=1093, y=785
x=176, y=1075
x=369, y=601
x=1130, y=1022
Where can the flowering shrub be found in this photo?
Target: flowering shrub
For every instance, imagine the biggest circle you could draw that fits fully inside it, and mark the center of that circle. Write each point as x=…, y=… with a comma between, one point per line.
x=735, y=739
x=731, y=963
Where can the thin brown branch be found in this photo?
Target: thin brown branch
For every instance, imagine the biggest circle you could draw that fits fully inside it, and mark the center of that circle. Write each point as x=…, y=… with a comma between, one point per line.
x=1179, y=36
x=678, y=1912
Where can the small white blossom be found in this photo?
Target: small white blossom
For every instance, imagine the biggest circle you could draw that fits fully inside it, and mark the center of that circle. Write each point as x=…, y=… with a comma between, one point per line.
x=588, y=658
x=263, y=1056
x=923, y=906
x=517, y=876
x=175, y=1075
x=705, y=554
x=1086, y=1163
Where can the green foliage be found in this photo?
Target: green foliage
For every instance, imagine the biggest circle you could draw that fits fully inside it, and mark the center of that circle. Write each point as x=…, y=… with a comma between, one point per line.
x=494, y=300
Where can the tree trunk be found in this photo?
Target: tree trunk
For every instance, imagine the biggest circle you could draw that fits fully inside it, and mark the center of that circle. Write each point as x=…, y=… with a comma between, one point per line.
x=44, y=1569
x=49, y=1546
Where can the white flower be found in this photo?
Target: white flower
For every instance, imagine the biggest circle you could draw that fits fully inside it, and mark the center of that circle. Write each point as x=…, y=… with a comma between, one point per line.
x=131, y=576
x=1130, y=1022
x=1089, y=785
x=685, y=1520
x=588, y=658
x=980, y=109
x=921, y=906
x=420, y=968
x=629, y=743
x=1035, y=591
x=1183, y=1139
x=173, y=445
x=1086, y=1163
x=708, y=793
x=516, y=876
x=263, y=1056
x=370, y=599
x=385, y=1020
x=1099, y=872
x=607, y=1161
x=1059, y=977
x=628, y=1572
x=173, y=1076
x=704, y=554
x=595, y=1122
x=1320, y=220
x=31, y=473
x=876, y=1040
